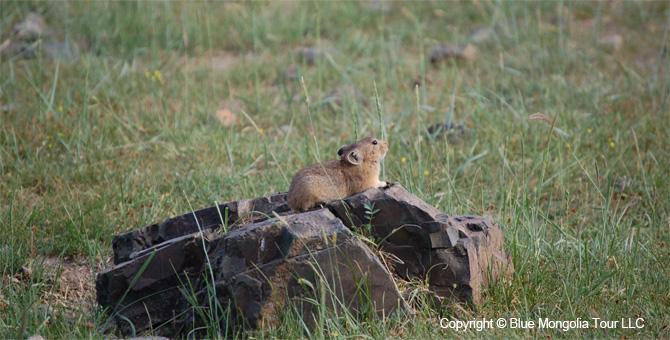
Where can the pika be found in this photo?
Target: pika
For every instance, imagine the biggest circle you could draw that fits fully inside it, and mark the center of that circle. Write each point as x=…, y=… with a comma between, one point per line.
x=357, y=170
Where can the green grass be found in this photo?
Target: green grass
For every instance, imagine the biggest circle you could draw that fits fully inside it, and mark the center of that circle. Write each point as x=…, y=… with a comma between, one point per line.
x=94, y=147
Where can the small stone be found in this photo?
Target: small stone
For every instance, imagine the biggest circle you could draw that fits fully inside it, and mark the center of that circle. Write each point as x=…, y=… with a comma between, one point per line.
x=558, y=21
x=611, y=42
x=225, y=116
x=286, y=129
x=455, y=133
x=311, y=54
x=446, y=52
x=480, y=34
x=35, y=337
x=290, y=72
x=31, y=27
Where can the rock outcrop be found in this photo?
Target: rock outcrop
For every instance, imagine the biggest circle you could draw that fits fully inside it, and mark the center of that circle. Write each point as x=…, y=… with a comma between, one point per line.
x=185, y=273
x=455, y=254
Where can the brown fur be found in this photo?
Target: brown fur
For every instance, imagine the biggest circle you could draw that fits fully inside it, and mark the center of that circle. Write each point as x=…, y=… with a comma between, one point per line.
x=357, y=170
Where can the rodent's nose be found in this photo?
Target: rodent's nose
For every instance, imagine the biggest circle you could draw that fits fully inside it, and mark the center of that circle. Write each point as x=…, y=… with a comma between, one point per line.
x=385, y=147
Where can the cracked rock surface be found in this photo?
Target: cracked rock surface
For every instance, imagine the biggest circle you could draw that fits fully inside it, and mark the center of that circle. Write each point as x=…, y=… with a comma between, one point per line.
x=456, y=255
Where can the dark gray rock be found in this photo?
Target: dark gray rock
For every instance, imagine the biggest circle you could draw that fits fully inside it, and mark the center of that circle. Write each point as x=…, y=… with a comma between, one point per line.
x=147, y=291
x=455, y=254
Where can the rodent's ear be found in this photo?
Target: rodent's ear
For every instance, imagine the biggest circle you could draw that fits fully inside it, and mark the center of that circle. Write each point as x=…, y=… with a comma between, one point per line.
x=353, y=157
x=340, y=152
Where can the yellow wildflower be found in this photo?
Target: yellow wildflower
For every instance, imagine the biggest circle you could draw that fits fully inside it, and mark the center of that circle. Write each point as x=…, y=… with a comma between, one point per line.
x=403, y=160
x=611, y=144
x=589, y=130
x=159, y=76
x=426, y=172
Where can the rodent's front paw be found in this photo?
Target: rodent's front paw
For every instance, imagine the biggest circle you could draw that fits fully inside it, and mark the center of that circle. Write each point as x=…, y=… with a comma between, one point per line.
x=382, y=185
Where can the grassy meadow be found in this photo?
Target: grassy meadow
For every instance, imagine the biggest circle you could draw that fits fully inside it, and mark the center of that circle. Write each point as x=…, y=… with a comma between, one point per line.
x=173, y=104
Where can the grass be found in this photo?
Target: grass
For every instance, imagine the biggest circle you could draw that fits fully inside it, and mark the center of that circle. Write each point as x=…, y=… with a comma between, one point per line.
x=116, y=138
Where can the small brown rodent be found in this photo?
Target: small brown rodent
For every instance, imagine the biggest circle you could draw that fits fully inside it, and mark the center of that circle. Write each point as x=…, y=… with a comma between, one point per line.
x=357, y=170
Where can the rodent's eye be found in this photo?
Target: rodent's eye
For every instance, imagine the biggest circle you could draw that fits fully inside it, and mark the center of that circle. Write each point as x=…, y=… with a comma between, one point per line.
x=374, y=142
